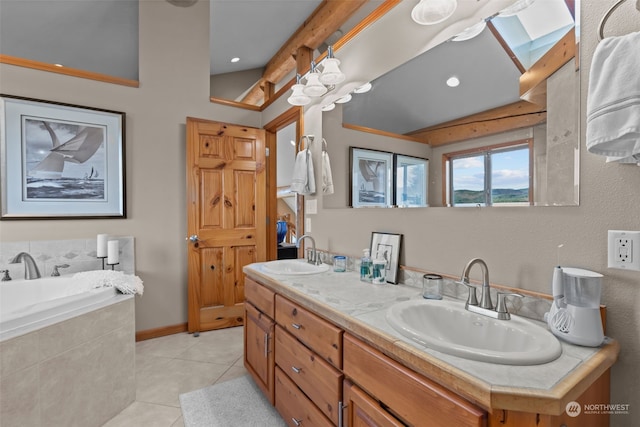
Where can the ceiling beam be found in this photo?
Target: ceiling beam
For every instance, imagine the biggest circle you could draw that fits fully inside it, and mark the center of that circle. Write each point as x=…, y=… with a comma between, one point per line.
x=509, y=117
x=328, y=17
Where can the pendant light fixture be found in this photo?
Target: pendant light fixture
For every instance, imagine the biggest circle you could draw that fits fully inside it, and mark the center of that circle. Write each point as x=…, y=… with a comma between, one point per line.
x=320, y=79
x=471, y=32
x=431, y=12
x=331, y=74
x=298, y=96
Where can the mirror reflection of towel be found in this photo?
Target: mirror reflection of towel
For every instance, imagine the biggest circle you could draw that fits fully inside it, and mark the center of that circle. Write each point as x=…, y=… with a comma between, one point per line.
x=613, y=101
x=303, y=180
x=327, y=179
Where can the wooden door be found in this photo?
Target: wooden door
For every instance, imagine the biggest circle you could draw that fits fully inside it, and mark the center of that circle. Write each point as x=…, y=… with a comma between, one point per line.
x=226, y=199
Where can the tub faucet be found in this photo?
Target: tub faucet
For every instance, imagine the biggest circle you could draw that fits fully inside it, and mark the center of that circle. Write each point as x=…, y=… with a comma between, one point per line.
x=30, y=268
x=312, y=257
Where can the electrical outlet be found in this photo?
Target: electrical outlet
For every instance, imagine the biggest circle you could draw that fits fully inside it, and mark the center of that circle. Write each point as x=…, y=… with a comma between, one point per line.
x=624, y=250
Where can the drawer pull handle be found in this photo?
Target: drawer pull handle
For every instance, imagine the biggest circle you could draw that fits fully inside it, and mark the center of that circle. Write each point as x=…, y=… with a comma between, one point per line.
x=296, y=422
x=296, y=325
x=296, y=370
x=266, y=346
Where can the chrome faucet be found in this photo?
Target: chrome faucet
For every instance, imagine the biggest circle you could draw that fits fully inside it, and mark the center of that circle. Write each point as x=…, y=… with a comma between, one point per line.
x=30, y=268
x=485, y=297
x=485, y=307
x=312, y=256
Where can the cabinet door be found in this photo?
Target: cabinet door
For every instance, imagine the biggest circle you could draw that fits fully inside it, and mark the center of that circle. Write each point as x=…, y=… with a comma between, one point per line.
x=258, y=349
x=363, y=411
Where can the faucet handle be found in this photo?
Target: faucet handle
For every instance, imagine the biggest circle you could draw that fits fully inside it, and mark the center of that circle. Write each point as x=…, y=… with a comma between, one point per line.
x=6, y=276
x=501, y=307
x=55, y=272
x=471, y=299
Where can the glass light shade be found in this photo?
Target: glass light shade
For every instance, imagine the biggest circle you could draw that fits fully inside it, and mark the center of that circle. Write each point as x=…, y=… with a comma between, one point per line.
x=471, y=32
x=430, y=12
x=515, y=8
x=313, y=86
x=363, y=89
x=298, y=97
x=344, y=99
x=328, y=107
x=331, y=74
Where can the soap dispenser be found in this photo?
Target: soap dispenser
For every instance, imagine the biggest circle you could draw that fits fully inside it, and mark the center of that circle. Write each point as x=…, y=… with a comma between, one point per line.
x=365, y=266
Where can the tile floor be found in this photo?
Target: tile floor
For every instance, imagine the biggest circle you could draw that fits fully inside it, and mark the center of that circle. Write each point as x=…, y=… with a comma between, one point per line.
x=169, y=366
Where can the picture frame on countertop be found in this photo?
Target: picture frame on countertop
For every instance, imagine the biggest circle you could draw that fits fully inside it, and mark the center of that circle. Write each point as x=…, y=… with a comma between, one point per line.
x=371, y=178
x=60, y=161
x=387, y=246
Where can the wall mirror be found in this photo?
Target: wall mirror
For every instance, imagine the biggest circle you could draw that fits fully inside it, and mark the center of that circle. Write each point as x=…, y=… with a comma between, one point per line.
x=480, y=90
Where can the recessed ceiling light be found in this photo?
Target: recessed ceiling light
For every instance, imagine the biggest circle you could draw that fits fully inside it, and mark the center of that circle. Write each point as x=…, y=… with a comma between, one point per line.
x=59, y=65
x=453, y=81
x=236, y=59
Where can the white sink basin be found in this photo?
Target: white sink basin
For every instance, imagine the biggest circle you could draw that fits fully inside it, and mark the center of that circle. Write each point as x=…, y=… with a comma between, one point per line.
x=447, y=327
x=294, y=267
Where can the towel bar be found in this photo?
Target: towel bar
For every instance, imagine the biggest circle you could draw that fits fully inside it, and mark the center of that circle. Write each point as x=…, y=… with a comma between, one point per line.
x=608, y=15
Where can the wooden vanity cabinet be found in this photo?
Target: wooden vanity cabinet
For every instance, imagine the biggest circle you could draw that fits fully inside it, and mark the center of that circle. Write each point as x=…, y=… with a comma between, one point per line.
x=409, y=396
x=361, y=410
x=258, y=336
x=315, y=374
x=309, y=353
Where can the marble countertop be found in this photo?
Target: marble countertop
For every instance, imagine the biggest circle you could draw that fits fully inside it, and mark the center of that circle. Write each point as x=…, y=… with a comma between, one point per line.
x=360, y=309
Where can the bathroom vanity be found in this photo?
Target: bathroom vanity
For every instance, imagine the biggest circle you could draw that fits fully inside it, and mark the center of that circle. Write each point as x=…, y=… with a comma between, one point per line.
x=320, y=349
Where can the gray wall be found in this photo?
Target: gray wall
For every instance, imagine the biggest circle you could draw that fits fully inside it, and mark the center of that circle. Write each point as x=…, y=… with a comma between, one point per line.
x=174, y=84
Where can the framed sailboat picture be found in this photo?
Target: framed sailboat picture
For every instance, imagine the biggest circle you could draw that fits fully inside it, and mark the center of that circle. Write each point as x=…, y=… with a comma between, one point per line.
x=60, y=160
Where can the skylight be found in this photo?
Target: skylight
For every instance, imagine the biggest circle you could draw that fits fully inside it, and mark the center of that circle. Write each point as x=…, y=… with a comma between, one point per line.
x=533, y=31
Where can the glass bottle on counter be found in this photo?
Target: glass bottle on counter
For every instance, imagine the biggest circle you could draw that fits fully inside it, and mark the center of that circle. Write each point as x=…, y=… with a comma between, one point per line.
x=365, y=266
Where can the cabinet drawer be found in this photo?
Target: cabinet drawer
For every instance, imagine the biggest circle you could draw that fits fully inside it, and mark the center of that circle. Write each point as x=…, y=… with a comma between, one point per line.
x=317, y=378
x=261, y=297
x=296, y=408
x=316, y=333
x=408, y=395
x=362, y=410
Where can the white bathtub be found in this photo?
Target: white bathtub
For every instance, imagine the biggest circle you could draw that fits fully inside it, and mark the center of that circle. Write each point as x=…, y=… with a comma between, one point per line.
x=28, y=305
x=57, y=333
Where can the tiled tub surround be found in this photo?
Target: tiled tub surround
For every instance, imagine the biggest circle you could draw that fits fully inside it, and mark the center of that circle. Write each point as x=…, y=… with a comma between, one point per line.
x=80, y=371
x=79, y=254
x=71, y=363
x=360, y=309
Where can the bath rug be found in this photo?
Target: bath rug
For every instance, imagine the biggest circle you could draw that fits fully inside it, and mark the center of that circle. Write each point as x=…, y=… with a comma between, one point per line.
x=234, y=403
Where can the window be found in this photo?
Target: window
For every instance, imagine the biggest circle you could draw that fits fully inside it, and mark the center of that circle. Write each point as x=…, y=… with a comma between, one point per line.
x=411, y=181
x=490, y=176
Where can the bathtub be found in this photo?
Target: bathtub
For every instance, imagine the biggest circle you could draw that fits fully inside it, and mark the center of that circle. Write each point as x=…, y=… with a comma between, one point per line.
x=67, y=349
x=27, y=305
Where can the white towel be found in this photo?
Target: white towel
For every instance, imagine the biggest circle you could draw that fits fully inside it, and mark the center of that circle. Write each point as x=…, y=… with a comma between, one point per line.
x=303, y=180
x=327, y=179
x=613, y=101
x=125, y=283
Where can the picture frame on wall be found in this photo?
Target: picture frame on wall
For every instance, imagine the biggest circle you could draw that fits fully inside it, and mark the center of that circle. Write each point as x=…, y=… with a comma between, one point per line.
x=371, y=178
x=61, y=161
x=411, y=180
x=387, y=246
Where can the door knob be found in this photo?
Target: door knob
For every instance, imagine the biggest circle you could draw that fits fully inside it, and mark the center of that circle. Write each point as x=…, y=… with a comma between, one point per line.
x=193, y=238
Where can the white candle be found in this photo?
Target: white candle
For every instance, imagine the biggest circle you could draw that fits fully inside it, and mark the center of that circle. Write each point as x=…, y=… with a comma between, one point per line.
x=101, y=250
x=113, y=252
